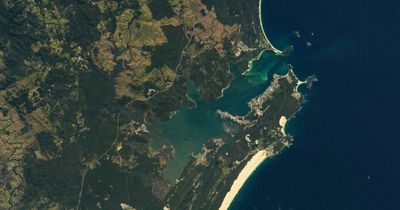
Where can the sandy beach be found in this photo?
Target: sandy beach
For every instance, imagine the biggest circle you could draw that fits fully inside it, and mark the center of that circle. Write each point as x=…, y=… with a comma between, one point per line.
x=276, y=51
x=282, y=123
x=246, y=172
x=261, y=155
x=270, y=48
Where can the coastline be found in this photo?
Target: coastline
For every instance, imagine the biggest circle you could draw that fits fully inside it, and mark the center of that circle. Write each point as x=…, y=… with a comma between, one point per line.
x=274, y=49
x=244, y=174
x=261, y=155
x=269, y=44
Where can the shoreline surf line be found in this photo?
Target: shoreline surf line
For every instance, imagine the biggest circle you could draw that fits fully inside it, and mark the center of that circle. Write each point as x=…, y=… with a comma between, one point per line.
x=269, y=44
x=274, y=49
x=259, y=157
x=244, y=174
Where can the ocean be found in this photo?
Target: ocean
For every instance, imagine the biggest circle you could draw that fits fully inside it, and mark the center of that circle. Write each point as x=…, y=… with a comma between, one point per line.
x=346, y=151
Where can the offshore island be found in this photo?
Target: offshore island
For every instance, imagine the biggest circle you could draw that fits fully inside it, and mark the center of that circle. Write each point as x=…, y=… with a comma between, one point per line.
x=138, y=104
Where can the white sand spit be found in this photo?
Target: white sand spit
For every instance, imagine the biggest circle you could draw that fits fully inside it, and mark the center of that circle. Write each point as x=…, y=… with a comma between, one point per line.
x=282, y=123
x=250, y=167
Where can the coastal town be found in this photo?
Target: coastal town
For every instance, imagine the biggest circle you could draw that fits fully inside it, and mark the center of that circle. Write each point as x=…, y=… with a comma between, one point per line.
x=82, y=85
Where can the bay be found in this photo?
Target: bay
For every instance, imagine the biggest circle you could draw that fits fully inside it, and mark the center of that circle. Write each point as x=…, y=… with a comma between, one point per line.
x=345, y=154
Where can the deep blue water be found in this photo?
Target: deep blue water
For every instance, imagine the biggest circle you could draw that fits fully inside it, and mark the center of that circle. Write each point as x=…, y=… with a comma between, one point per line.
x=346, y=153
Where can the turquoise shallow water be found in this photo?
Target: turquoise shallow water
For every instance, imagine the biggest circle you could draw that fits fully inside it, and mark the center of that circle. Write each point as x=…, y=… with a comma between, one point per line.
x=345, y=154
x=189, y=128
x=267, y=63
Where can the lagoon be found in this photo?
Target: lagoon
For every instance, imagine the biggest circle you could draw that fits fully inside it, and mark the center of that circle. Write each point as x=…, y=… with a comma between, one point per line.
x=189, y=128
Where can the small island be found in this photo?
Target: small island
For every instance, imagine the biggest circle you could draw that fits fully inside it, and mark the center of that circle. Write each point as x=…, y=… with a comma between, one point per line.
x=138, y=104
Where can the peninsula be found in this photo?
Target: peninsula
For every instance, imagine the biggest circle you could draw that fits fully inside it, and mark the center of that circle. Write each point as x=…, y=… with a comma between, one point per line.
x=137, y=104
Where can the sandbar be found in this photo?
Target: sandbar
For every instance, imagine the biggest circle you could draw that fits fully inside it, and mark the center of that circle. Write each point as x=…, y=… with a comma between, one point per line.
x=246, y=172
